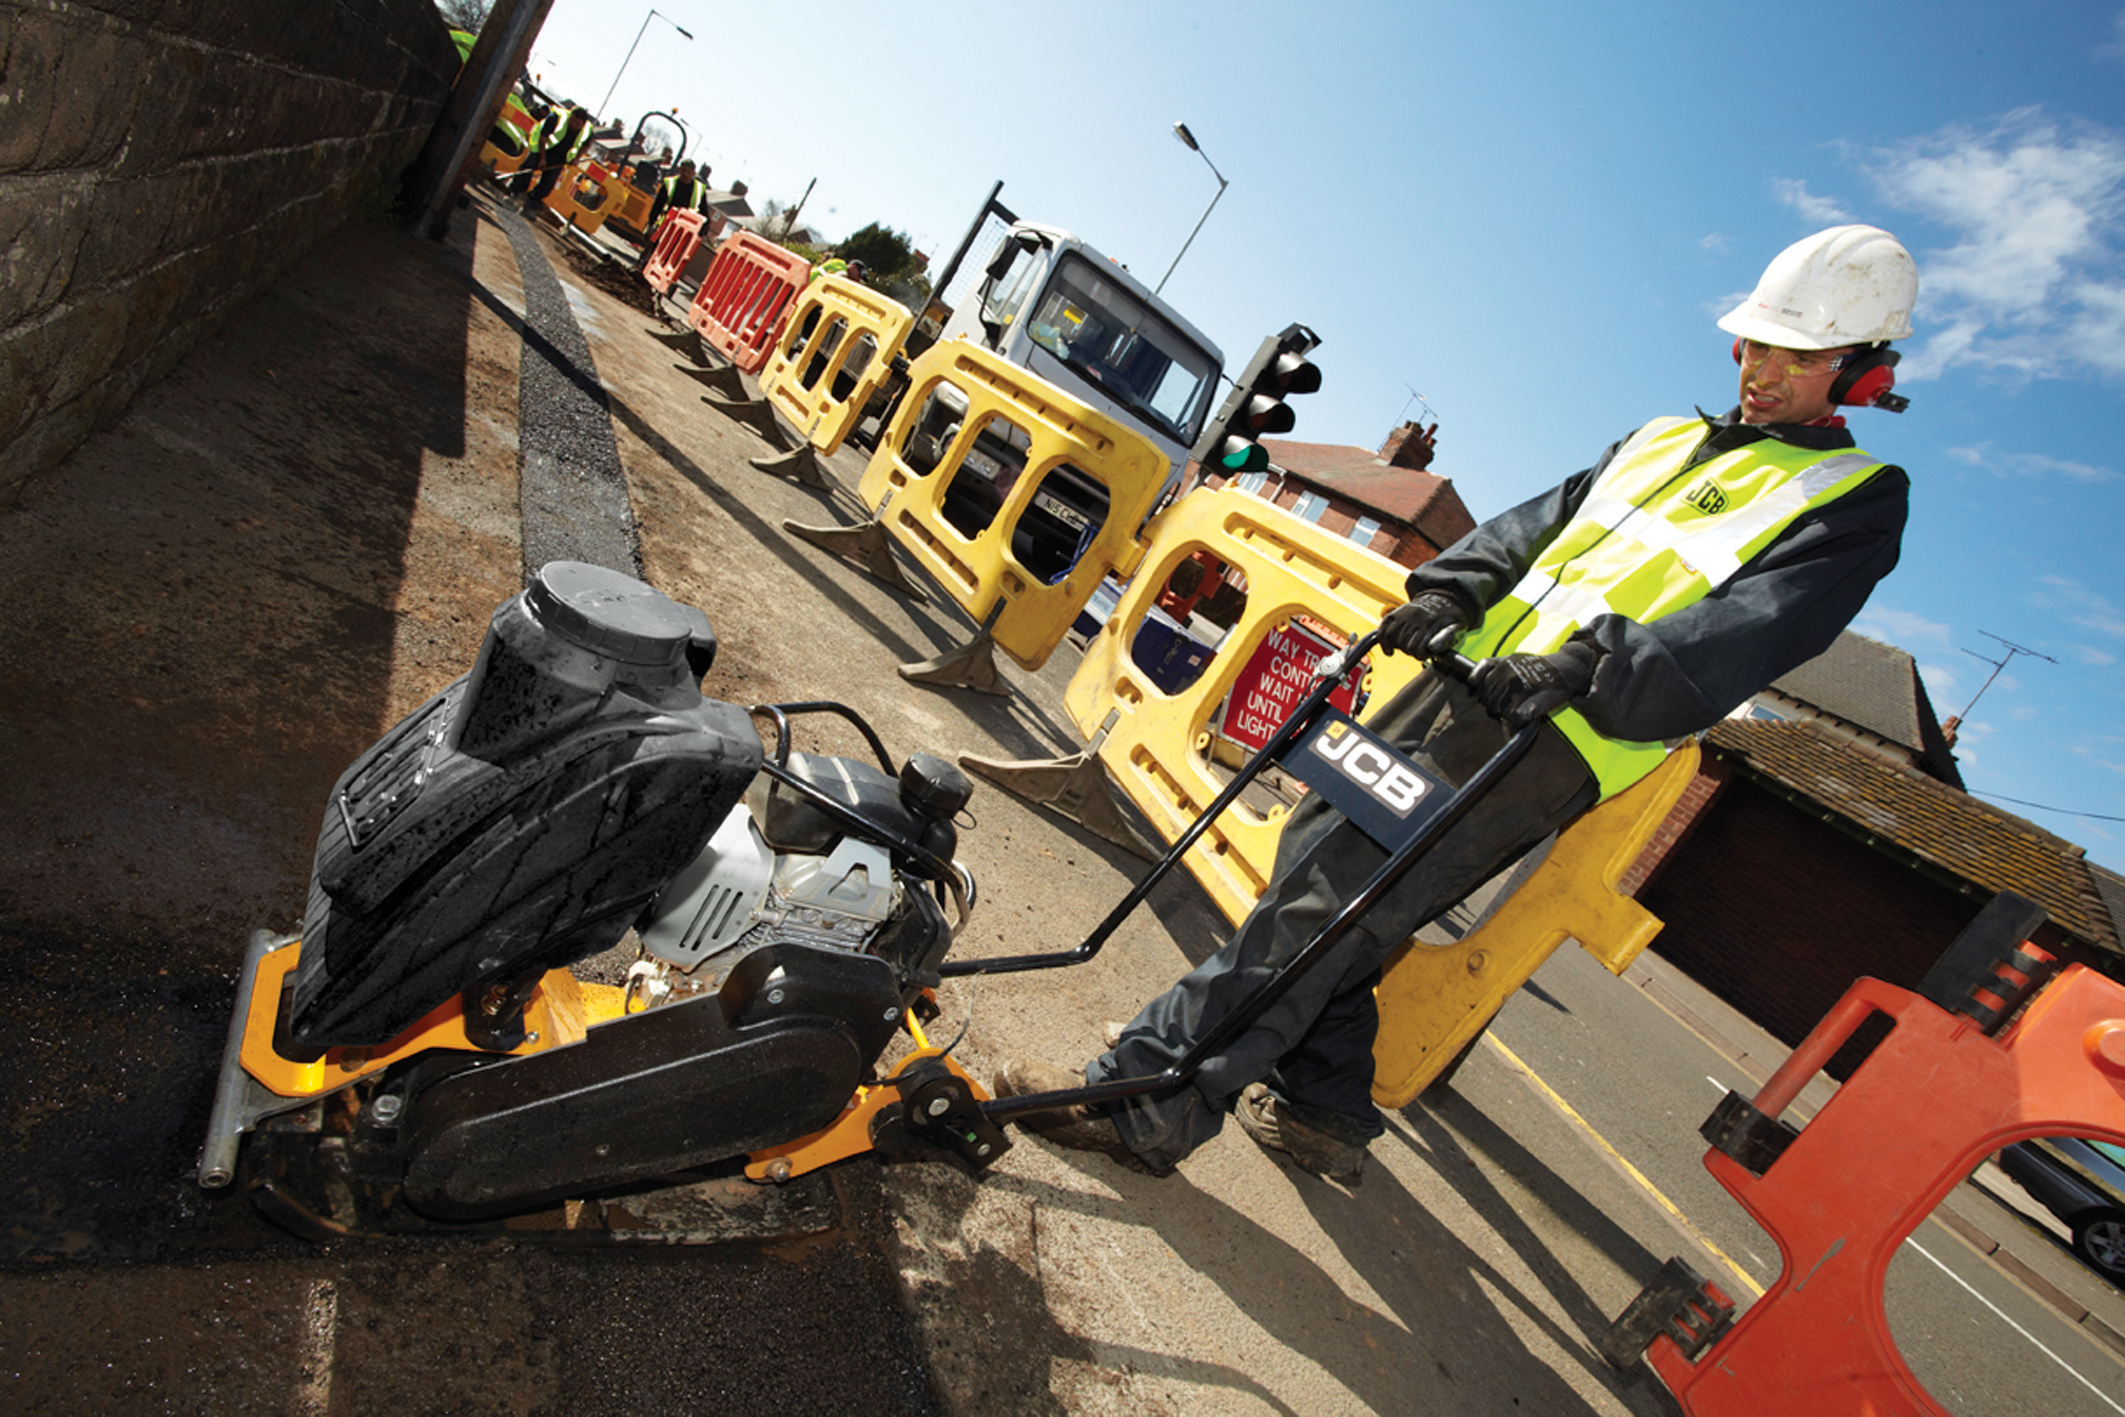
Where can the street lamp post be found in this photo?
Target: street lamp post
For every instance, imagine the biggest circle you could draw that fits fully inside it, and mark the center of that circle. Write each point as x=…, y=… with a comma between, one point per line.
x=599, y=116
x=1180, y=130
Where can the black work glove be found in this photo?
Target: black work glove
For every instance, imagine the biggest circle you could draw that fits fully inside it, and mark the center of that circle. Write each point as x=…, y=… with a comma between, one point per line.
x=1521, y=688
x=1430, y=622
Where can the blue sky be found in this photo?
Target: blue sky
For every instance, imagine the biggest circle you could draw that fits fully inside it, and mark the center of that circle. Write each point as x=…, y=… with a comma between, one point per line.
x=1529, y=216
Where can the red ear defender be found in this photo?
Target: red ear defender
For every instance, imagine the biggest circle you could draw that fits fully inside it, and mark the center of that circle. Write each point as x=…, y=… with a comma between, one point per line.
x=1737, y=351
x=1867, y=380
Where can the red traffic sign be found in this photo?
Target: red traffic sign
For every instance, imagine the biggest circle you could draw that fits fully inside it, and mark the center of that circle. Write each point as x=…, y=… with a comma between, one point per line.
x=1274, y=679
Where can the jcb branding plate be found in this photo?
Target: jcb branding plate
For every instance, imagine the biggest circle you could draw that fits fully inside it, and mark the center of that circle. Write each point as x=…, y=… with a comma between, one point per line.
x=1386, y=794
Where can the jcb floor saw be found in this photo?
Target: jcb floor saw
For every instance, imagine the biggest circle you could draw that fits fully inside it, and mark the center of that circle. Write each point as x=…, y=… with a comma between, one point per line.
x=421, y=1056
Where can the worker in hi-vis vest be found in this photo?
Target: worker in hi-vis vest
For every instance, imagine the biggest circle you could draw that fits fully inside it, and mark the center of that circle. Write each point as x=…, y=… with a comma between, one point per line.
x=555, y=143
x=683, y=191
x=1632, y=606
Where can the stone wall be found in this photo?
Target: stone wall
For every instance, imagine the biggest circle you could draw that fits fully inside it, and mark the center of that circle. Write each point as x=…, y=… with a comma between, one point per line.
x=161, y=161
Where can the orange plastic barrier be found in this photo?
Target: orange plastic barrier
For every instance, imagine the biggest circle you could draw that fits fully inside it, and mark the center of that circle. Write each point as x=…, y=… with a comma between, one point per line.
x=745, y=298
x=1934, y=1098
x=678, y=241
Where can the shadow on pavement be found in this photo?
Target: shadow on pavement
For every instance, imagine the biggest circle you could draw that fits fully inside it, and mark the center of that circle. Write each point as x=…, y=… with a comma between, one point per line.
x=199, y=637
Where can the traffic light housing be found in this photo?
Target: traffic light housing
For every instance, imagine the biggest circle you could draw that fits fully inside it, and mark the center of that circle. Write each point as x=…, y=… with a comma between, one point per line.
x=1255, y=408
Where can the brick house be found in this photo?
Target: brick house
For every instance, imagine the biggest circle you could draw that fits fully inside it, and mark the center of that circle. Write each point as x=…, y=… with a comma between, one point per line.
x=1385, y=501
x=1827, y=836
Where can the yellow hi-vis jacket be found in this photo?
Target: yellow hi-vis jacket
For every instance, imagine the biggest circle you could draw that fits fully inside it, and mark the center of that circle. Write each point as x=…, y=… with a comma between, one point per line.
x=1652, y=536
x=557, y=137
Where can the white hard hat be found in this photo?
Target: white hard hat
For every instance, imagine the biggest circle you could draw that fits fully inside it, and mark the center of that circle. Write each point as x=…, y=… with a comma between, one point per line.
x=1847, y=285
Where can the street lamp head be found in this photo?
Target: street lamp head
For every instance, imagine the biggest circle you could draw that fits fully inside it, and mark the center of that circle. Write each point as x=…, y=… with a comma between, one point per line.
x=687, y=32
x=1180, y=130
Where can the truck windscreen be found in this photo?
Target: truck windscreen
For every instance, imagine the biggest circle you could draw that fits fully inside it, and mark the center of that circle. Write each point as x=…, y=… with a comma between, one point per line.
x=1140, y=359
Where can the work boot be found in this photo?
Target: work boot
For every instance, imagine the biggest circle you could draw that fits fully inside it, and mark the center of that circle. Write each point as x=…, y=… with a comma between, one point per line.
x=1078, y=1126
x=1262, y=1116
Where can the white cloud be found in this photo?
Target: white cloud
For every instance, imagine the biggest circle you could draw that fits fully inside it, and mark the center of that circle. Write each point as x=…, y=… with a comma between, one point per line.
x=1902, y=628
x=2030, y=464
x=1941, y=683
x=1822, y=211
x=2091, y=656
x=2115, y=49
x=1714, y=242
x=2032, y=283
x=2080, y=606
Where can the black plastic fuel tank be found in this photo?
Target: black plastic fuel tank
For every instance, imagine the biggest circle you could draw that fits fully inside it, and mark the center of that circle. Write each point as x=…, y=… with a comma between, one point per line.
x=521, y=819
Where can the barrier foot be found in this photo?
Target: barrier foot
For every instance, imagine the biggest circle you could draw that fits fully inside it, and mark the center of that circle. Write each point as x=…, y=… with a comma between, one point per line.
x=686, y=342
x=1679, y=1303
x=798, y=463
x=971, y=666
x=721, y=378
x=756, y=414
x=1075, y=787
x=864, y=547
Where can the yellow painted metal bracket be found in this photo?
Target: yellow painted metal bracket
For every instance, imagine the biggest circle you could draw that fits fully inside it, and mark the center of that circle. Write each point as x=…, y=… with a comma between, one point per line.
x=558, y=1013
x=850, y=1133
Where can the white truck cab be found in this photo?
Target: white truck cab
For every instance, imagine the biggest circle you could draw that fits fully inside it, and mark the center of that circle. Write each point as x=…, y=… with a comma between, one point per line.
x=1051, y=303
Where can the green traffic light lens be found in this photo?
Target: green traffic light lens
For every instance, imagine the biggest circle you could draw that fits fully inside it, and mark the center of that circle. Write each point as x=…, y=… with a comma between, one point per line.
x=1247, y=457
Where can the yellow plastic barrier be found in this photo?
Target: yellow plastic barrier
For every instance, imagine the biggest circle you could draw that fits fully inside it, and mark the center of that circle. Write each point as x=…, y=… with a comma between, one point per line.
x=501, y=160
x=1436, y=999
x=584, y=196
x=1014, y=496
x=833, y=354
x=1157, y=749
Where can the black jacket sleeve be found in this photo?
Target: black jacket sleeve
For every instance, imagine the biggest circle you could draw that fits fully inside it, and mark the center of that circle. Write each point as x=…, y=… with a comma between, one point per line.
x=1482, y=566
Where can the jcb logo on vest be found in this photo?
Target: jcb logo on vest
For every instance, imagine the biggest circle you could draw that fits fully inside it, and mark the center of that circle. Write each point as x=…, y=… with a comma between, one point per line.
x=1707, y=497
x=1385, y=778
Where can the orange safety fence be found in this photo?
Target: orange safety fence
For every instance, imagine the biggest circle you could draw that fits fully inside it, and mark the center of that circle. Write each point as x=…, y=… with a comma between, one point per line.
x=678, y=242
x=745, y=298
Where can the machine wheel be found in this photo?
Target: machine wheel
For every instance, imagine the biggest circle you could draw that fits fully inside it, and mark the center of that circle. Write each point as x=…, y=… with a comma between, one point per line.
x=2099, y=1239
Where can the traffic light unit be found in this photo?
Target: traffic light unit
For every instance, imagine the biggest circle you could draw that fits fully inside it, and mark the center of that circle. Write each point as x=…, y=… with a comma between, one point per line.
x=1255, y=408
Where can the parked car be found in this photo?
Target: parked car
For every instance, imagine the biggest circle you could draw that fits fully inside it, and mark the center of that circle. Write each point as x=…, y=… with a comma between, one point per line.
x=2082, y=1182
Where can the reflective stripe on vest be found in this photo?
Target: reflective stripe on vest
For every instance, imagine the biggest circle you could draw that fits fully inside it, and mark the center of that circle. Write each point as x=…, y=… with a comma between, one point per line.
x=1653, y=536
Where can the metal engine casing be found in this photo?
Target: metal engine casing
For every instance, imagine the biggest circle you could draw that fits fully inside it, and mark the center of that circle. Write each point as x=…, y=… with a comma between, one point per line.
x=738, y=896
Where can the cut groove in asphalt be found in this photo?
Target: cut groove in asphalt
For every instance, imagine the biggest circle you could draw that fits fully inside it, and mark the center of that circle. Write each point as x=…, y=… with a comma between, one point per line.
x=574, y=496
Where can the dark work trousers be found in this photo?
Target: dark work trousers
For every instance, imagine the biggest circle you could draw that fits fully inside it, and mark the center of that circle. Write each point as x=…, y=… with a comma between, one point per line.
x=541, y=179
x=1314, y=1047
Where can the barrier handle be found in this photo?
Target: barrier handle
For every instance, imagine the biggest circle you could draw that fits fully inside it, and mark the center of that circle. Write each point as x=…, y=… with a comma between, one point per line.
x=1329, y=673
x=1182, y=1070
x=1860, y=1003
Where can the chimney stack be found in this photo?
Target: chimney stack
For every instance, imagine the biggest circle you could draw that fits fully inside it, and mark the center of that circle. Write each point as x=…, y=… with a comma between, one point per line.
x=1410, y=446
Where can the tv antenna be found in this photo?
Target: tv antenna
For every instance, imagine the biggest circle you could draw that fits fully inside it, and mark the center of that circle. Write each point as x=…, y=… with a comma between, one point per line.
x=2013, y=649
x=1415, y=397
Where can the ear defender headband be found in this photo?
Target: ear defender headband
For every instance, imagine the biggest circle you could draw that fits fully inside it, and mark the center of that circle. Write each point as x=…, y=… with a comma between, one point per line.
x=1866, y=381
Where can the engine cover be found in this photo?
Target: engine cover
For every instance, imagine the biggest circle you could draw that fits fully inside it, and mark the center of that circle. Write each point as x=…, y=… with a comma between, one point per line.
x=521, y=819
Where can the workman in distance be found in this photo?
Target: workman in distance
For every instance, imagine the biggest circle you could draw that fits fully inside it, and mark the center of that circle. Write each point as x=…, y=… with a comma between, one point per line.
x=683, y=191
x=555, y=143
x=1632, y=606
